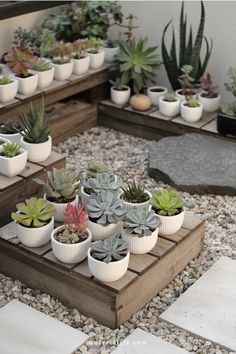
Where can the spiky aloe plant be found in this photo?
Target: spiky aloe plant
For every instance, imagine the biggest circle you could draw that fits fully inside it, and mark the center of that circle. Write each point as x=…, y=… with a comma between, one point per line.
x=189, y=50
x=134, y=193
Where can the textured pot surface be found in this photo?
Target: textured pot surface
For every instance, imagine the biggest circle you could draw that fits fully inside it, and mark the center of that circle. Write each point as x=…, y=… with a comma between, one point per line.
x=37, y=152
x=171, y=224
x=140, y=245
x=129, y=206
x=100, y=232
x=59, y=208
x=140, y=102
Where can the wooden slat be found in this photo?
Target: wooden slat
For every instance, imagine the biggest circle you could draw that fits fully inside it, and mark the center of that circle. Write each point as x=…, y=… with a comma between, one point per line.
x=140, y=263
x=30, y=170
x=35, y=94
x=83, y=270
x=49, y=257
x=162, y=247
x=55, y=85
x=206, y=118
x=112, y=104
x=52, y=159
x=121, y=284
x=9, y=234
x=9, y=182
x=144, y=113
x=191, y=220
x=178, y=236
x=37, y=251
x=9, y=103
x=157, y=114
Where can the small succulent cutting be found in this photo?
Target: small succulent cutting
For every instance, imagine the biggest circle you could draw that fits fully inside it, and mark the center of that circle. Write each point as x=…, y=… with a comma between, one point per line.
x=191, y=102
x=109, y=250
x=94, y=45
x=41, y=65
x=167, y=202
x=134, y=193
x=5, y=80
x=93, y=170
x=101, y=182
x=141, y=222
x=10, y=150
x=170, y=97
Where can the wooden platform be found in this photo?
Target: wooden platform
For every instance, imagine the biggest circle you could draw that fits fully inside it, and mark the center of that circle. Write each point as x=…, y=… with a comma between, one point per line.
x=108, y=303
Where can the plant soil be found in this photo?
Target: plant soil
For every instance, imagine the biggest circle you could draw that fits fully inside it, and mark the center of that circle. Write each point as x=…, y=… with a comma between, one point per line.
x=122, y=89
x=3, y=155
x=142, y=199
x=24, y=76
x=206, y=96
x=60, y=200
x=83, y=235
x=157, y=90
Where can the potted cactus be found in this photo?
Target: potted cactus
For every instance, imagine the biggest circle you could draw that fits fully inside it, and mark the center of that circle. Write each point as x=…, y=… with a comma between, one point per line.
x=9, y=130
x=169, y=206
x=209, y=97
x=134, y=196
x=140, y=229
x=111, y=50
x=169, y=105
x=108, y=259
x=155, y=92
x=60, y=189
x=34, y=222
x=61, y=60
x=105, y=213
x=12, y=159
x=8, y=88
x=71, y=241
x=120, y=92
x=45, y=72
x=191, y=109
x=187, y=83
x=80, y=58
x=96, y=54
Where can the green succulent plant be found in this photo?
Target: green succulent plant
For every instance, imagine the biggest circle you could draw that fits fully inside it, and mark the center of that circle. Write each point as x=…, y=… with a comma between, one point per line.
x=231, y=86
x=141, y=222
x=11, y=149
x=34, y=212
x=70, y=235
x=170, y=97
x=192, y=102
x=41, y=65
x=167, y=202
x=229, y=109
x=134, y=193
x=94, y=45
x=119, y=83
x=105, y=208
x=109, y=250
x=5, y=80
x=101, y=182
x=93, y=170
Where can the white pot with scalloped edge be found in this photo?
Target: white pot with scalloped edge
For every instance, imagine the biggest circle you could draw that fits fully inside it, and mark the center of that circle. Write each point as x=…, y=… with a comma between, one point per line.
x=96, y=59
x=169, y=108
x=171, y=224
x=37, y=152
x=27, y=85
x=8, y=92
x=12, y=166
x=45, y=78
x=190, y=114
x=120, y=97
x=62, y=71
x=59, y=208
x=140, y=245
x=100, y=232
x=210, y=105
x=155, y=92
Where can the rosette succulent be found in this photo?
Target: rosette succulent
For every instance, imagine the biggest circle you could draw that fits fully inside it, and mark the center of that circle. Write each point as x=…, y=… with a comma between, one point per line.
x=141, y=222
x=110, y=249
x=167, y=202
x=102, y=182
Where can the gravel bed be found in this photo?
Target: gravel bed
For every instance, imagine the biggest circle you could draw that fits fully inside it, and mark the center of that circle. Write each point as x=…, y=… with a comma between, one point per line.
x=126, y=156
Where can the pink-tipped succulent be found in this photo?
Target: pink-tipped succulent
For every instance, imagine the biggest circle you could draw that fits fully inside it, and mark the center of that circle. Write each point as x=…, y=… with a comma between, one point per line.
x=76, y=215
x=206, y=84
x=20, y=60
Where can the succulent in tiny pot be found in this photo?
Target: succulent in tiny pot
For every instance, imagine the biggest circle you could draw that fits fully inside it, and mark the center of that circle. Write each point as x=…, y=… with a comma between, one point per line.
x=191, y=109
x=12, y=159
x=111, y=49
x=61, y=60
x=187, y=83
x=45, y=72
x=134, y=196
x=169, y=105
x=80, y=58
x=155, y=93
x=209, y=97
x=120, y=92
x=8, y=88
x=96, y=54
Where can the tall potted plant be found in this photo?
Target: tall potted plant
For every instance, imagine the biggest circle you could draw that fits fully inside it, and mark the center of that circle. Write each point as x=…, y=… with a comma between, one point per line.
x=187, y=83
x=96, y=54
x=61, y=60
x=45, y=72
x=8, y=88
x=12, y=159
x=80, y=58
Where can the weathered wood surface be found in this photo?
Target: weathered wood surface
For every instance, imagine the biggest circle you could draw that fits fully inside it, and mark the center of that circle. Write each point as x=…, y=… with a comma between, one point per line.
x=108, y=303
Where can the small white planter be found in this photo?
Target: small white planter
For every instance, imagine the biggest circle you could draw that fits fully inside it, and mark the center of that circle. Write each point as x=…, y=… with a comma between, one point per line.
x=128, y=206
x=140, y=245
x=100, y=232
x=190, y=114
x=155, y=92
x=35, y=237
x=110, y=53
x=12, y=166
x=169, y=109
x=45, y=78
x=8, y=92
x=108, y=272
x=182, y=97
x=13, y=138
x=120, y=97
x=171, y=224
x=62, y=71
x=59, y=208
x=70, y=253
x=84, y=197
x=210, y=105
x=37, y=152
x=81, y=66
x=96, y=60
x=27, y=85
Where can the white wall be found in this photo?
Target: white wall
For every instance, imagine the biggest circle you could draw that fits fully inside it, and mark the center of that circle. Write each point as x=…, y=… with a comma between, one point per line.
x=220, y=25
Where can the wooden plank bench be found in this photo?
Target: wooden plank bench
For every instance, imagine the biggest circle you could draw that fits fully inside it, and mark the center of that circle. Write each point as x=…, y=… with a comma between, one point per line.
x=109, y=303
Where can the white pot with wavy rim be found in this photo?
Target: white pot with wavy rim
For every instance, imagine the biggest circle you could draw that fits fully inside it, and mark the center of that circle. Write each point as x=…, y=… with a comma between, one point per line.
x=27, y=85
x=210, y=105
x=120, y=97
x=81, y=66
x=108, y=272
x=59, y=208
x=70, y=253
x=182, y=97
x=62, y=71
x=8, y=92
x=128, y=206
x=110, y=53
x=140, y=245
x=190, y=114
x=169, y=109
x=13, y=138
x=37, y=152
x=96, y=59
x=171, y=224
x=45, y=78
x=100, y=232
x=12, y=166
x=155, y=92
x=35, y=236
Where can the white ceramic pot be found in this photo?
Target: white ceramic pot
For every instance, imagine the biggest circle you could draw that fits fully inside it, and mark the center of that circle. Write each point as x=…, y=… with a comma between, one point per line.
x=97, y=60
x=84, y=197
x=70, y=253
x=35, y=237
x=155, y=92
x=171, y=224
x=59, y=208
x=182, y=97
x=140, y=245
x=190, y=114
x=100, y=232
x=108, y=272
x=12, y=166
x=8, y=92
x=128, y=206
x=13, y=138
x=27, y=85
x=45, y=78
x=169, y=109
x=110, y=53
x=37, y=152
x=62, y=71
x=120, y=97
x=210, y=105
x=81, y=66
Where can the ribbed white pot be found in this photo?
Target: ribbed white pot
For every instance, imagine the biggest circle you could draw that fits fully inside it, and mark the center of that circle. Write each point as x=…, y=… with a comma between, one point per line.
x=110, y=53
x=37, y=152
x=81, y=66
x=140, y=245
x=171, y=224
x=128, y=206
x=108, y=272
x=12, y=166
x=210, y=105
x=45, y=78
x=190, y=114
x=97, y=60
x=155, y=95
x=27, y=85
x=62, y=71
x=100, y=232
x=59, y=208
x=120, y=97
x=70, y=253
x=35, y=237
x=84, y=197
x=169, y=109
x=13, y=138
x=182, y=97
x=8, y=92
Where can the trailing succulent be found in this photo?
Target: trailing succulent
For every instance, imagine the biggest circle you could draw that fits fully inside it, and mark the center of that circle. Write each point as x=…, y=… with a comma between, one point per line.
x=109, y=250
x=11, y=149
x=134, y=193
x=141, y=222
x=167, y=202
x=105, y=208
x=101, y=182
